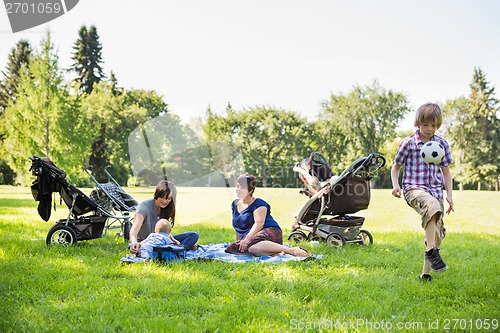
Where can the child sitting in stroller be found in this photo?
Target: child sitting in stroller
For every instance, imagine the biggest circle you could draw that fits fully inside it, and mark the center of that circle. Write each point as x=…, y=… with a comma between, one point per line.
x=161, y=237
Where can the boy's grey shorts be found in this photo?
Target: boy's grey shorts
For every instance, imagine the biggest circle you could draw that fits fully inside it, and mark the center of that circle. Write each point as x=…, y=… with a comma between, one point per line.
x=427, y=206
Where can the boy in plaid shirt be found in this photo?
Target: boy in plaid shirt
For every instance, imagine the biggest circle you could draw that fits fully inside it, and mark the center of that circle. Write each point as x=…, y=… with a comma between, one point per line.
x=423, y=183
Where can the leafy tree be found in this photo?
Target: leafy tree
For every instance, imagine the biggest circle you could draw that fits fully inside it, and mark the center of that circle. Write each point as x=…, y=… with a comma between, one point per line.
x=111, y=121
x=122, y=123
x=224, y=154
x=270, y=139
x=361, y=121
x=148, y=99
x=216, y=127
x=43, y=121
x=455, y=115
x=329, y=138
x=87, y=57
x=162, y=148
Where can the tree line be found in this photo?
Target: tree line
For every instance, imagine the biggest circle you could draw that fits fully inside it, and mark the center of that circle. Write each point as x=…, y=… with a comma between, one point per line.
x=88, y=119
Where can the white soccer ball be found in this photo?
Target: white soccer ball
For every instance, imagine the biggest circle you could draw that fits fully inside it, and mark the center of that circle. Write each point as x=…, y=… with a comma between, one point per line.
x=432, y=152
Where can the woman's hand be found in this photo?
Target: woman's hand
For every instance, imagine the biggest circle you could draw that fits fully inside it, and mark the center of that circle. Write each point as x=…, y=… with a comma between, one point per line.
x=259, y=216
x=244, y=244
x=134, y=247
x=134, y=231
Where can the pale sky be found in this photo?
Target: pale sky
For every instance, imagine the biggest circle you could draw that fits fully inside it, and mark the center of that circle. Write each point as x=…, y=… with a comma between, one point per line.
x=284, y=53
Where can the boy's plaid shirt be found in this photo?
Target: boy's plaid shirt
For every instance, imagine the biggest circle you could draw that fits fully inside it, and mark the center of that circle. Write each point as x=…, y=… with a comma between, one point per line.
x=416, y=173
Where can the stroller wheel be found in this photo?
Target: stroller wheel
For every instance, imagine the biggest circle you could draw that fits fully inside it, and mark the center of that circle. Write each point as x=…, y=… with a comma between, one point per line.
x=364, y=237
x=62, y=235
x=312, y=238
x=126, y=230
x=297, y=237
x=336, y=240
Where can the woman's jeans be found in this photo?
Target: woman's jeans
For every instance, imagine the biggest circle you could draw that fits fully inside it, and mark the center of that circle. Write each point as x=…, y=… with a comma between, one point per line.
x=188, y=239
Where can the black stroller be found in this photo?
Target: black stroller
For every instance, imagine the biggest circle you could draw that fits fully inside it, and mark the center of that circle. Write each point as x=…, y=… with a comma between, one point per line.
x=114, y=200
x=86, y=218
x=331, y=198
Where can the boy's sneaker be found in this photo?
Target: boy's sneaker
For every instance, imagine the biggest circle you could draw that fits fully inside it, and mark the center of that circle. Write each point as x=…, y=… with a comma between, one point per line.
x=433, y=259
x=425, y=277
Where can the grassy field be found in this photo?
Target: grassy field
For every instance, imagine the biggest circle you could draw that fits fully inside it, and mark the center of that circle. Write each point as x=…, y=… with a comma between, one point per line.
x=375, y=288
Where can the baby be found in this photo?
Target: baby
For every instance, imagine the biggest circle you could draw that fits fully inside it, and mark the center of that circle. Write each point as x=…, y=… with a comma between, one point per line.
x=160, y=237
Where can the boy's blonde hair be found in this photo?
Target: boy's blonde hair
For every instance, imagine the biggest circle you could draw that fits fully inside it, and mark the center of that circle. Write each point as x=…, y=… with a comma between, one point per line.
x=429, y=113
x=163, y=225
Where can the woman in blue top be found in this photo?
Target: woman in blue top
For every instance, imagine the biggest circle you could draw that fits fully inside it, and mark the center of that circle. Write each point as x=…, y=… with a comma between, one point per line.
x=257, y=232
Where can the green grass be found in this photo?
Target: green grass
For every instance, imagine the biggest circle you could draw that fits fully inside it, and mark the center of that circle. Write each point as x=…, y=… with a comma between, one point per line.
x=84, y=288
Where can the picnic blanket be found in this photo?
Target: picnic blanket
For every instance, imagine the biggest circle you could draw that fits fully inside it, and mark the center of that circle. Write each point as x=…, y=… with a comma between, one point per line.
x=216, y=252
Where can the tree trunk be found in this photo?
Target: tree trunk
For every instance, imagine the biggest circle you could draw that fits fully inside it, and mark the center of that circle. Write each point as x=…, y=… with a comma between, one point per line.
x=461, y=186
x=479, y=186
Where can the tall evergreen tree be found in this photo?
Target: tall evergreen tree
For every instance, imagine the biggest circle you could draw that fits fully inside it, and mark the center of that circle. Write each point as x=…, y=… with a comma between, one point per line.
x=87, y=57
x=474, y=129
x=19, y=56
x=483, y=131
x=114, y=84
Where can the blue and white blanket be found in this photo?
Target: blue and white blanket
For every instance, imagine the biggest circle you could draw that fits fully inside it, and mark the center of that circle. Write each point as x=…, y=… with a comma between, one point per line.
x=216, y=252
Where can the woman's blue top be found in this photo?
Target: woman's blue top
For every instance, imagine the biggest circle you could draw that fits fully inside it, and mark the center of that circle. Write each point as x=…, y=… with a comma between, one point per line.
x=243, y=221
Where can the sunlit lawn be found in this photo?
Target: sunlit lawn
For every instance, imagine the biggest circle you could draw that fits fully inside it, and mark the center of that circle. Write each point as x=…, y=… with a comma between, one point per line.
x=85, y=288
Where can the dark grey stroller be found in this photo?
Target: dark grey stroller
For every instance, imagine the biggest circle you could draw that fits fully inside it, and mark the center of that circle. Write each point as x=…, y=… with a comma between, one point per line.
x=113, y=198
x=331, y=198
x=86, y=218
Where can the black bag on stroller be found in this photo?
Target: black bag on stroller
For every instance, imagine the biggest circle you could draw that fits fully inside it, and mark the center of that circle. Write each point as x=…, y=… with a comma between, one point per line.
x=86, y=218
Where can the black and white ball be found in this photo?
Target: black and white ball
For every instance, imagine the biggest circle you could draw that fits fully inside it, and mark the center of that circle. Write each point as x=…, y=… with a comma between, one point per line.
x=432, y=152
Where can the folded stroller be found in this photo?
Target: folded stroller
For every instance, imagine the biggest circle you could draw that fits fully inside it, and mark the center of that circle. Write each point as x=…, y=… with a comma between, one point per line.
x=114, y=200
x=86, y=218
x=331, y=198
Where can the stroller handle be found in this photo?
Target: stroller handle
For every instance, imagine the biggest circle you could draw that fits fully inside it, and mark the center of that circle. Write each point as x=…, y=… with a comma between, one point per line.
x=110, y=178
x=86, y=169
x=375, y=160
